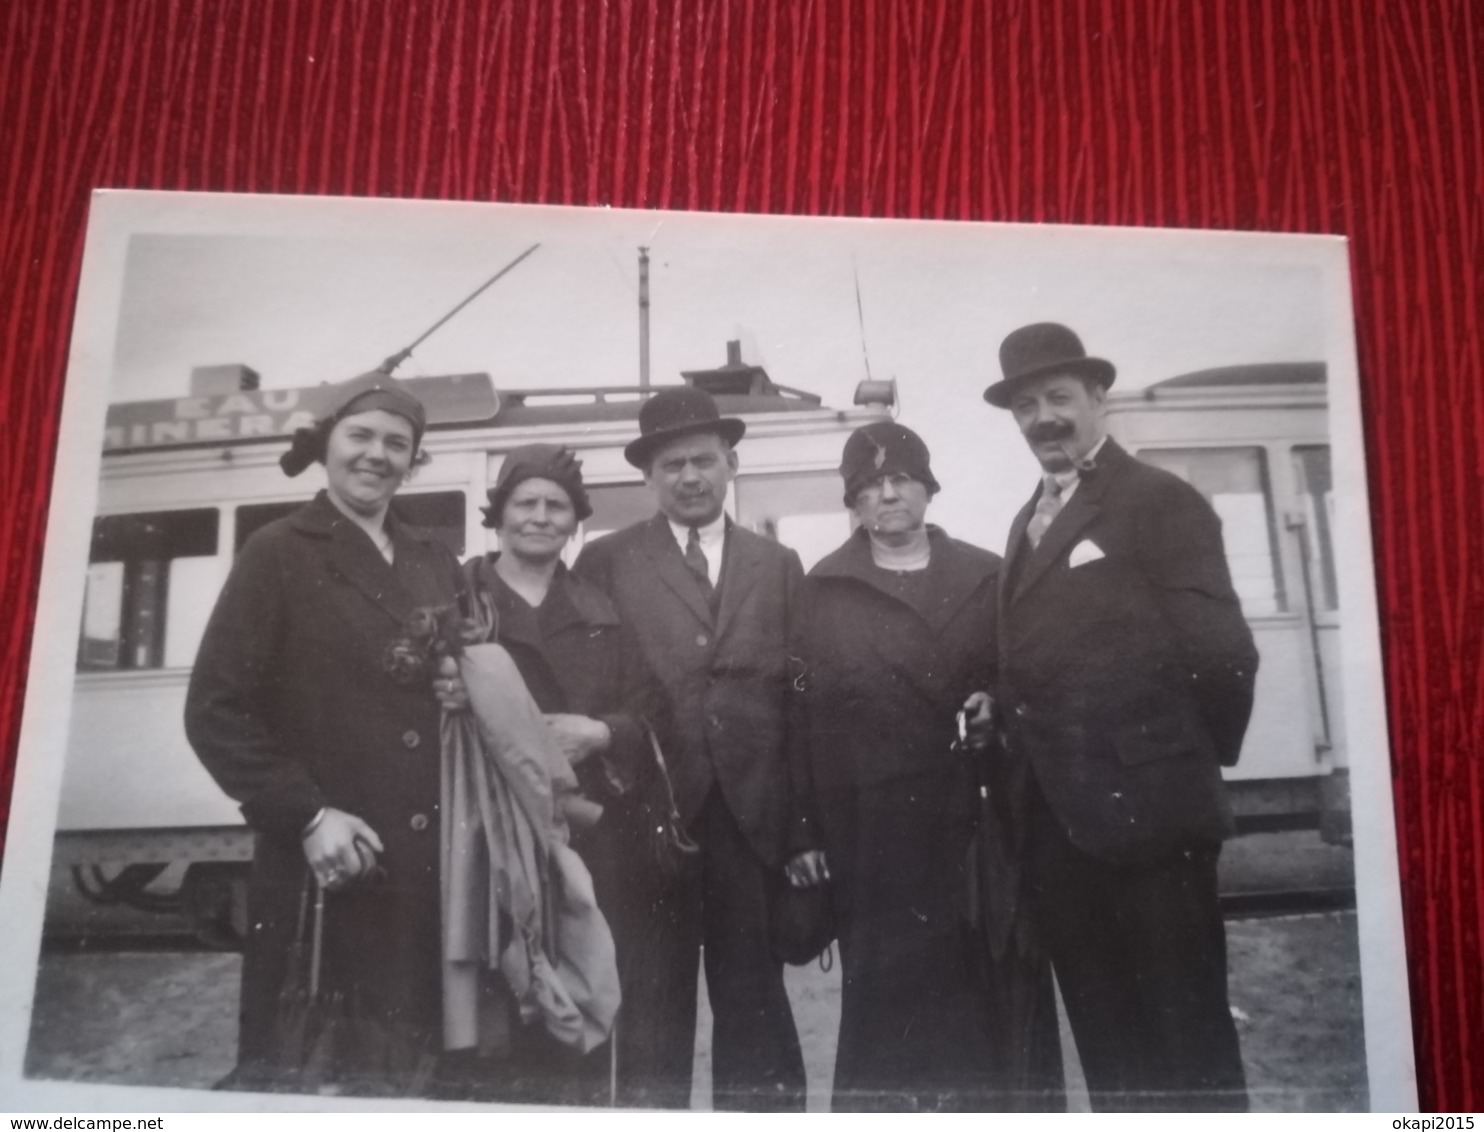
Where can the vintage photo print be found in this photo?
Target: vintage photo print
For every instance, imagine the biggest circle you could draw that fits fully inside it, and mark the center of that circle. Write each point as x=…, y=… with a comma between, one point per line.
x=510, y=655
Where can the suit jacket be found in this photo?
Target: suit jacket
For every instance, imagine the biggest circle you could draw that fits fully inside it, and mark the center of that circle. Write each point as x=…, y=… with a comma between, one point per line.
x=1126, y=680
x=729, y=675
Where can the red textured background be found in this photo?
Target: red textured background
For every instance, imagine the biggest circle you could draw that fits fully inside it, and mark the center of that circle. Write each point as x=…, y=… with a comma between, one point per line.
x=1341, y=116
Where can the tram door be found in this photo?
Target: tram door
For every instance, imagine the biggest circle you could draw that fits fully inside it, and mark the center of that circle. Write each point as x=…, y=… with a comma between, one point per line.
x=1276, y=502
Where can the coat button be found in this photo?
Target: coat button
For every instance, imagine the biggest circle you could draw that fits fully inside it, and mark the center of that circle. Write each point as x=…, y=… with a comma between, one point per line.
x=419, y=822
x=411, y=739
x=702, y=639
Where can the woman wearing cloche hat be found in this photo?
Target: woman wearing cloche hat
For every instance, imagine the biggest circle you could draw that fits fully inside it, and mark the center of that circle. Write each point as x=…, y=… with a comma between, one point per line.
x=900, y=635
x=589, y=677
x=334, y=762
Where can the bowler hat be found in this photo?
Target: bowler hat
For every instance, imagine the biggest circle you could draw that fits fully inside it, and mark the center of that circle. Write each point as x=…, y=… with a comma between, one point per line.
x=1039, y=350
x=676, y=412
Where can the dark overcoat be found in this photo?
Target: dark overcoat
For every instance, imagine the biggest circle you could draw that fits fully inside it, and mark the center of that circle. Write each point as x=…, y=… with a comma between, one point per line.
x=935, y=1008
x=728, y=675
x=1126, y=680
x=291, y=709
x=575, y=656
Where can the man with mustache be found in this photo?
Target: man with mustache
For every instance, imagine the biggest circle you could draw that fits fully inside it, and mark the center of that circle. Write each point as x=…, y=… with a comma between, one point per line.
x=1126, y=681
x=716, y=611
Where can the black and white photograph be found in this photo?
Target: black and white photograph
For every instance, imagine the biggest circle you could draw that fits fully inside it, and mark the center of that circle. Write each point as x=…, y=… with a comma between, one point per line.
x=537, y=656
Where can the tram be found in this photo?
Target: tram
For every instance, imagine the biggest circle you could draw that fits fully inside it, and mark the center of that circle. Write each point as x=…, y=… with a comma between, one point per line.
x=186, y=481
x=1254, y=439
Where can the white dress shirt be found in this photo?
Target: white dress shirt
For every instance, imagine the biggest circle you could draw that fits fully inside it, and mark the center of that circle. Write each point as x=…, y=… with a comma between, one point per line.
x=713, y=538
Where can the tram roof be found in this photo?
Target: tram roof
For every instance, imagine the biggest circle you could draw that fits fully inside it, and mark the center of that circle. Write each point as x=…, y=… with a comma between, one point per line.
x=1266, y=373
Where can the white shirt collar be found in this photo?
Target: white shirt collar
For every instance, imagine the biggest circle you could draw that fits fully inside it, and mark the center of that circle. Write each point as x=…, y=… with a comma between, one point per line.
x=1070, y=478
x=712, y=534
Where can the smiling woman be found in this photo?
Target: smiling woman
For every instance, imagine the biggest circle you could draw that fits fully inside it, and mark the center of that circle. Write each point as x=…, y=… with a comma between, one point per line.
x=335, y=765
x=367, y=456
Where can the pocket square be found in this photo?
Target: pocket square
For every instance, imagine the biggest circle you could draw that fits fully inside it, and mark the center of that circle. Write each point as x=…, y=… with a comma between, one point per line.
x=1084, y=552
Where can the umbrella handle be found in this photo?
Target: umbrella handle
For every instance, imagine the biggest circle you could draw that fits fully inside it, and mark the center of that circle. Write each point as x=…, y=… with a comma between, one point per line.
x=317, y=944
x=613, y=1064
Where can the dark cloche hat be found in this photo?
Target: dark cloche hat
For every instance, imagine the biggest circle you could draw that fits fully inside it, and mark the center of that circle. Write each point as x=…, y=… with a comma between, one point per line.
x=538, y=462
x=884, y=448
x=369, y=391
x=1039, y=350
x=676, y=412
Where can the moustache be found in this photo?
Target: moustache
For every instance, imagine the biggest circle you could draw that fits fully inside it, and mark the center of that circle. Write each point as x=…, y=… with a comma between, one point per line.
x=1051, y=430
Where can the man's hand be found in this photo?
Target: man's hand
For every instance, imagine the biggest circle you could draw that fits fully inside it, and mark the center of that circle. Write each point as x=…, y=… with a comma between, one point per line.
x=978, y=719
x=578, y=736
x=341, y=848
x=448, y=686
x=808, y=869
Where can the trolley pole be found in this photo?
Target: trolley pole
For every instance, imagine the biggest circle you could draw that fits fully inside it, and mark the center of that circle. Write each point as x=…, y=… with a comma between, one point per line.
x=643, y=318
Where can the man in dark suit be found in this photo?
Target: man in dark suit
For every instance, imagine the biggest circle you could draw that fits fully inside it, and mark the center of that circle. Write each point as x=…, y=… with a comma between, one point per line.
x=1126, y=677
x=715, y=609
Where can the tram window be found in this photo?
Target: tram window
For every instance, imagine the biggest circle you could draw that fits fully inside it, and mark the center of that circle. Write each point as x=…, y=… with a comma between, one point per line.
x=802, y=510
x=150, y=583
x=616, y=506
x=1316, y=490
x=441, y=512
x=1235, y=482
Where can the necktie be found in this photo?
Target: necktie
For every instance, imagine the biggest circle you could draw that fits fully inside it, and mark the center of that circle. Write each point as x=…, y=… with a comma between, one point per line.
x=1047, y=509
x=695, y=558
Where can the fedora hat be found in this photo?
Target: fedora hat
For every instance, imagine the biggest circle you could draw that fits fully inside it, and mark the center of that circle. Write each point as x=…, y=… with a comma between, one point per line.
x=676, y=412
x=1039, y=350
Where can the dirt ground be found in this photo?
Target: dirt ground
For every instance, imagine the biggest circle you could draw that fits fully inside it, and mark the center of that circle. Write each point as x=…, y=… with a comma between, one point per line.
x=168, y=1018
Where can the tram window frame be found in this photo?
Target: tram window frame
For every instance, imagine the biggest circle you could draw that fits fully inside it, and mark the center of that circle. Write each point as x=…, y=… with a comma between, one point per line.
x=442, y=512
x=819, y=490
x=143, y=595
x=1319, y=516
x=1179, y=458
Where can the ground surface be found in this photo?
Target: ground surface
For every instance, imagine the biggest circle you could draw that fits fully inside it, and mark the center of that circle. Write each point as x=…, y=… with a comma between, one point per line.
x=169, y=1018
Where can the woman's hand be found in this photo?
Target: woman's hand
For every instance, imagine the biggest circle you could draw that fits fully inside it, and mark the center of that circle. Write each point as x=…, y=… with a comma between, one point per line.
x=340, y=848
x=448, y=686
x=807, y=869
x=978, y=719
x=578, y=736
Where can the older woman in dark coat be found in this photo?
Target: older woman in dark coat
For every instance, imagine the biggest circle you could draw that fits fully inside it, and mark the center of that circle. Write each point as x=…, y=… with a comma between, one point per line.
x=336, y=765
x=901, y=635
x=586, y=673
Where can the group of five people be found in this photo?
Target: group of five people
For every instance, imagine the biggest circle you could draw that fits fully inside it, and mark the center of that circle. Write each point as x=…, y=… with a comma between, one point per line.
x=809, y=727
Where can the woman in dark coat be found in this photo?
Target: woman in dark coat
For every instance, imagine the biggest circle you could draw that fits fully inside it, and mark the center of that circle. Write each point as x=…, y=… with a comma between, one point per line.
x=901, y=635
x=586, y=673
x=336, y=765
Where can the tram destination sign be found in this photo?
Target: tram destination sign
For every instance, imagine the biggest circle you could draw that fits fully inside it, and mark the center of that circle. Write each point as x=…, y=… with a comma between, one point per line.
x=257, y=415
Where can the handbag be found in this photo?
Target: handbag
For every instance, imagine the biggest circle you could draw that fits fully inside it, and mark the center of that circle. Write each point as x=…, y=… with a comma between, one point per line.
x=802, y=926
x=670, y=847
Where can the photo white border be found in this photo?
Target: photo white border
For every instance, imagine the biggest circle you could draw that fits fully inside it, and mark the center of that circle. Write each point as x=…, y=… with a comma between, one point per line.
x=115, y=216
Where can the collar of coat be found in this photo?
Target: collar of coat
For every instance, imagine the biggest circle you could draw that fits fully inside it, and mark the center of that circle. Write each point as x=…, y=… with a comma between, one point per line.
x=321, y=517
x=1029, y=564
x=742, y=558
x=575, y=601
x=957, y=569
x=353, y=557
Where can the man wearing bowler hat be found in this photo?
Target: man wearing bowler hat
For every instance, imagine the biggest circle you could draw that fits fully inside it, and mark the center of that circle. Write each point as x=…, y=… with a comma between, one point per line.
x=1126, y=677
x=715, y=609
